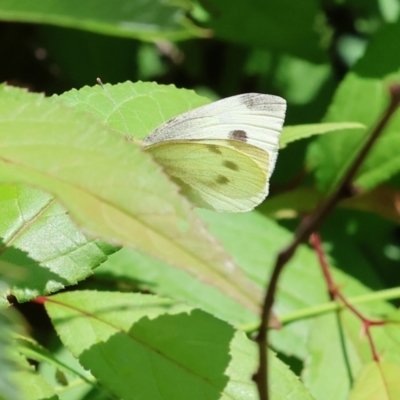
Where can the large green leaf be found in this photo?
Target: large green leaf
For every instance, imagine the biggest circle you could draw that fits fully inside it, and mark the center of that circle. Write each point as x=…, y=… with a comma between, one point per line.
x=112, y=189
x=254, y=242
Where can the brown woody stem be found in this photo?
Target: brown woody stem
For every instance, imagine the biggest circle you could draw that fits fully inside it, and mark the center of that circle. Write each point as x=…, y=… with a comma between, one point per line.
x=305, y=229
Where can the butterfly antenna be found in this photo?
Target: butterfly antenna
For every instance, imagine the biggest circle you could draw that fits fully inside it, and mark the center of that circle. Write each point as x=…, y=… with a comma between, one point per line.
x=127, y=135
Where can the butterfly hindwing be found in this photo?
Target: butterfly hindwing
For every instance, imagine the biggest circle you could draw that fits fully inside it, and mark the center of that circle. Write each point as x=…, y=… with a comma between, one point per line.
x=222, y=175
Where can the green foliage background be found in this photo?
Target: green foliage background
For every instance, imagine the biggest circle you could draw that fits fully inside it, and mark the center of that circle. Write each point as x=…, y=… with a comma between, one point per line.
x=110, y=335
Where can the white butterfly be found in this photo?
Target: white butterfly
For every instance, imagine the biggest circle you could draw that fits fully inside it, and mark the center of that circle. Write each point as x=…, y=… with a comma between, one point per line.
x=222, y=154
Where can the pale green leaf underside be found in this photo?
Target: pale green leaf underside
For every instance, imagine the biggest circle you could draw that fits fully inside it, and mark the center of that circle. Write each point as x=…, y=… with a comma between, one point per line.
x=111, y=188
x=377, y=381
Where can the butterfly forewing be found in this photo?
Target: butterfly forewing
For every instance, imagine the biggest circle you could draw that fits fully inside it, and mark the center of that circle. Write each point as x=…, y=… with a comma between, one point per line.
x=221, y=175
x=222, y=154
x=252, y=118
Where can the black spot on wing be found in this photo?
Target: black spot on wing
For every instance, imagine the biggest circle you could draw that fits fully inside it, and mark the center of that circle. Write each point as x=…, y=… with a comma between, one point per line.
x=214, y=149
x=222, y=180
x=231, y=165
x=263, y=102
x=238, y=135
x=248, y=102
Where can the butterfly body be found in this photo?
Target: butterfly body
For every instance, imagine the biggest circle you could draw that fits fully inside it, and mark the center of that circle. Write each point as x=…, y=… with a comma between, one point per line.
x=222, y=154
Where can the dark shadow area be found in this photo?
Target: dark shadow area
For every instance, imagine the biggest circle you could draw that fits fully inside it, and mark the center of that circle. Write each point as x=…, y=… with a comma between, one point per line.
x=358, y=243
x=31, y=277
x=386, y=58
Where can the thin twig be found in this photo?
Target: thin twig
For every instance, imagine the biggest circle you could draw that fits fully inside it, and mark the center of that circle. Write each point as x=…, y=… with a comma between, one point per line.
x=308, y=226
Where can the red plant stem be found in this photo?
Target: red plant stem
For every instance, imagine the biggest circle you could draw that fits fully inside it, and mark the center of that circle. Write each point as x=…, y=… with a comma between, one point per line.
x=316, y=242
x=335, y=294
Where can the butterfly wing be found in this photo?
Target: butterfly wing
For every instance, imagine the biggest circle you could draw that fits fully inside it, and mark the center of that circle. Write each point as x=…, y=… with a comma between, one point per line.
x=222, y=175
x=251, y=118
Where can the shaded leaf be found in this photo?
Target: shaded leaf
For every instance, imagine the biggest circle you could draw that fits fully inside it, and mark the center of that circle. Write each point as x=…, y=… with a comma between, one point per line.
x=280, y=25
x=145, y=20
x=41, y=242
x=8, y=365
x=383, y=200
x=362, y=96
